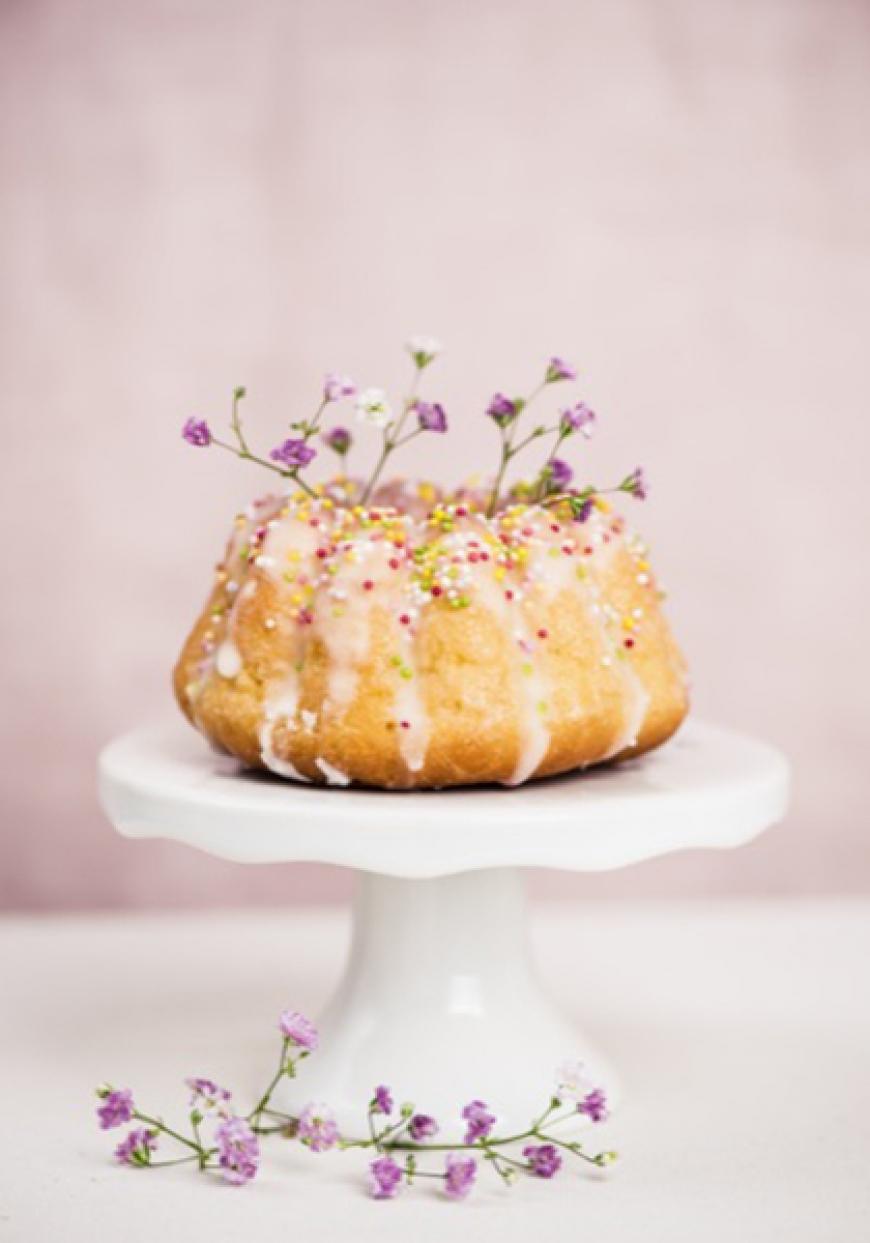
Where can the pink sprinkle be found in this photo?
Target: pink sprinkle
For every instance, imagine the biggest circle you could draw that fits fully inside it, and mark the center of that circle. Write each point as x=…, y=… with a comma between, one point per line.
x=393, y=563
x=484, y=556
x=368, y=584
x=567, y=549
x=554, y=526
x=461, y=512
x=322, y=554
x=588, y=550
x=543, y=633
x=436, y=590
x=405, y=619
x=405, y=724
x=508, y=595
x=313, y=522
x=528, y=531
x=474, y=557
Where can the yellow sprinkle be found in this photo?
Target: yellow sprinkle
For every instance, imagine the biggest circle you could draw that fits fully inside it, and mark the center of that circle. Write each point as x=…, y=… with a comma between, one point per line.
x=499, y=572
x=628, y=623
x=603, y=505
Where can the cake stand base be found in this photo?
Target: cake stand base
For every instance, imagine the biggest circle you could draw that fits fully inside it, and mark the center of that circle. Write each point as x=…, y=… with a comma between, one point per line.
x=439, y=1000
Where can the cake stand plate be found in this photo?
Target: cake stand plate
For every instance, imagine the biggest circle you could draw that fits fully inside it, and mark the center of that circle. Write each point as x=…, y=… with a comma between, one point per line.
x=439, y=996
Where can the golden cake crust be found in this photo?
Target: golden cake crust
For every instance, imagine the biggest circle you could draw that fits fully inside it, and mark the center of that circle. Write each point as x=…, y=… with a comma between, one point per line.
x=346, y=645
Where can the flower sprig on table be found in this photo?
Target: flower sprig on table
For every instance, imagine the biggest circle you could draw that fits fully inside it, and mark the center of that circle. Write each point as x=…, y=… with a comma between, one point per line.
x=551, y=484
x=401, y=1139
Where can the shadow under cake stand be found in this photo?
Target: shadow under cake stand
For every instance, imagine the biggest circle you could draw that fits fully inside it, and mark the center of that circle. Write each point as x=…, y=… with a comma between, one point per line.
x=439, y=996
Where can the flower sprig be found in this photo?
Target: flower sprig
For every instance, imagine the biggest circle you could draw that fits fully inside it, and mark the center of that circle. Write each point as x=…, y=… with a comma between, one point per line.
x=402, y=1139
x=416, y=416
x=373, y=408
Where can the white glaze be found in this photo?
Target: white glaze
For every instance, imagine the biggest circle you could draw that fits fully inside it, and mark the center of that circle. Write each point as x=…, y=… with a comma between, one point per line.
x=334, y=776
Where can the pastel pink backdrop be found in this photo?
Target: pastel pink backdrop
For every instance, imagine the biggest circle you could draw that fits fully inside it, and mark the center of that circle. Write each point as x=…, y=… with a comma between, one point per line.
x=195, y=195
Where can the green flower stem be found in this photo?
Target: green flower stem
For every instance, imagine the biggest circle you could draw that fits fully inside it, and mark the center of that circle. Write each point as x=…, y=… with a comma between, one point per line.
x=508, y=449
x=262, y=1106
x=236, y=423
x=198, y=1137
x=572, y=1148
x=156, y=1165
x=391, y=439
x=247, y=456
x=541, y=486
x=587, y=494
x=167, y=1130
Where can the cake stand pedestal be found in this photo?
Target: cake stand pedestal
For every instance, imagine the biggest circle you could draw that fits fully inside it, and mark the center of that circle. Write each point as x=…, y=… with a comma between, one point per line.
x=439, y=997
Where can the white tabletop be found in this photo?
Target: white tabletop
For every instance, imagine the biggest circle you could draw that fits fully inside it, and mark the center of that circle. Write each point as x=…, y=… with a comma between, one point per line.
x=742, y=1031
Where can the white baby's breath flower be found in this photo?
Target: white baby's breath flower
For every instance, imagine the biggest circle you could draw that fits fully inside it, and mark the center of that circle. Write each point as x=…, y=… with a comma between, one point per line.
x=373, y=408
x=573, y=1082
x=423, y=349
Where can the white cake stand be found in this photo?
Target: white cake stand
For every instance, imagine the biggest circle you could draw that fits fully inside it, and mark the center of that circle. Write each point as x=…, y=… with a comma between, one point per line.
x=439, y=997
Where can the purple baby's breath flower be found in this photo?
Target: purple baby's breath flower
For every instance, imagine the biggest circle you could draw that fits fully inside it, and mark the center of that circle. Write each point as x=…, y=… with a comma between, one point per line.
x=480, y=1121
x=300, y=1030
x=544, y=1159
x=421, y=1127
x=238, y=1151
x=382, y=1101
x=136, y=1147
x=583, y=510
x=431, y=416
x=560, y=474
x=460, y=1175
x=293, y=454
x=197, y=433
x=384, y=1178
x=558, y=369
x=501, y=409
x=116, y=1108
x=593, y=1105
x=337, y=386
x=207, y=1095
x=578, y=418
x=636, y=484
x=317, y=1128
x=338, y=439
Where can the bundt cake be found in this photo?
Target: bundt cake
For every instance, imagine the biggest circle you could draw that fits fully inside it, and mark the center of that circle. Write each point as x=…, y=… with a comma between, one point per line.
x=413, y=641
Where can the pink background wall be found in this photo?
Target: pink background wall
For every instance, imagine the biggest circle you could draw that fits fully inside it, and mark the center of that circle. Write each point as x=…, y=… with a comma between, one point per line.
x=195, y=195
